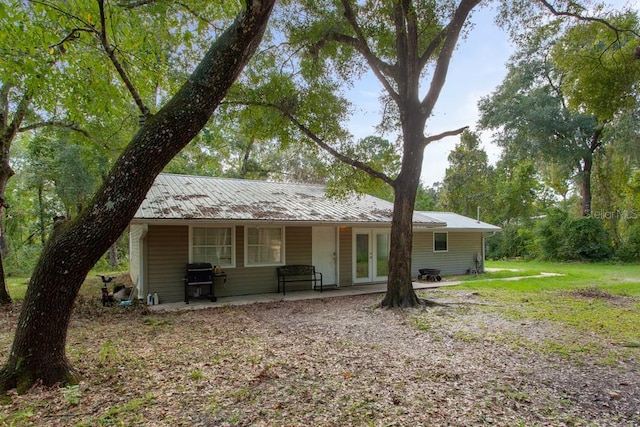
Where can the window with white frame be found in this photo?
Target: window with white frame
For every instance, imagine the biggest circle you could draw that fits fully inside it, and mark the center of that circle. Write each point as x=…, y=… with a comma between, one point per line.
x=214, y=245
x=264, y=246
x=440, y=242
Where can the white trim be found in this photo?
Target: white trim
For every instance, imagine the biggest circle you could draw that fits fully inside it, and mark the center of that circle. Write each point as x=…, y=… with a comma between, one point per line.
x=372, y=234
x=282, y=245
x=215, y=225
x=446, y=233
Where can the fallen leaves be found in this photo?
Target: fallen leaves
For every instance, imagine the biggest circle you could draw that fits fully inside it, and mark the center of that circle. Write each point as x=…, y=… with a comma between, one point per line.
x=314, y=363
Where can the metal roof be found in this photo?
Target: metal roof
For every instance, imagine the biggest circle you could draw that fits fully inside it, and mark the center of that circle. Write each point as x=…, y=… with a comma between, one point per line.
x=180, y=197
x=458, y=222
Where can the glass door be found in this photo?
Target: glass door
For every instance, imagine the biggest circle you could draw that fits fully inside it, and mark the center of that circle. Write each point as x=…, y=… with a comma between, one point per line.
x=371, y=255
x=381, y=255
x=362, y=257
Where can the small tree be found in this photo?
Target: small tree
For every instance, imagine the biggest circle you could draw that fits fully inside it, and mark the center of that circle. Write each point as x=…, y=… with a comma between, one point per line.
x=467, y=184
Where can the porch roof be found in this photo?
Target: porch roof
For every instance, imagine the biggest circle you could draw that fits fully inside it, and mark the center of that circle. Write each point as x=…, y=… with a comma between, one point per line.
x=184, y=197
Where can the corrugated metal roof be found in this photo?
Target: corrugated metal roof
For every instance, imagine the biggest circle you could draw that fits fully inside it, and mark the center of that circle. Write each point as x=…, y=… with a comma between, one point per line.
x=178, y=197
x=455, y=221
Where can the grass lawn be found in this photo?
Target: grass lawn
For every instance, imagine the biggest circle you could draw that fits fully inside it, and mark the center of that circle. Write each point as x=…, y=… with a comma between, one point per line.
x=600, y=299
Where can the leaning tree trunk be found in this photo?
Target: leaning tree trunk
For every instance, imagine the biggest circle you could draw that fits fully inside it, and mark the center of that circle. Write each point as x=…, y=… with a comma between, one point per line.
x=38, y=351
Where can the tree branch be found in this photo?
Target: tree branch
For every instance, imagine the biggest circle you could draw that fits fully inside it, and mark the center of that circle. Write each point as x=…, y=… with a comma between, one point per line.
x=596, y=141
x=386, y=69
x=429, y=50
x=315, y=138
x=364, y=49
x=55, y=123
x=404, y=79
x=601, y=21
x=110, y=51
x=428, y=140
x=11, y=130
x=134, y=4
x=444, y=58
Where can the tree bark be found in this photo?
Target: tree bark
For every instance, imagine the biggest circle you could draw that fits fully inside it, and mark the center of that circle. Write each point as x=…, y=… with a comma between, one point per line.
x=38, y=351
x=413, y=117
x=585, y=185
x=5, y=298
x=400, y=291
x=5, y=174
x=113, y=256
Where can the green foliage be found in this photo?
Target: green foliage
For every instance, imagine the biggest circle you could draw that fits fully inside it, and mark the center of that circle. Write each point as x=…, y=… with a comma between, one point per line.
x=514, y=241
x=598, y=65
x=629, y=249
x=378, y=154
x=567, y=89
x=514, y=192
x=585, y=239
x=562, y=237
x=468, y=180
x=72, y=394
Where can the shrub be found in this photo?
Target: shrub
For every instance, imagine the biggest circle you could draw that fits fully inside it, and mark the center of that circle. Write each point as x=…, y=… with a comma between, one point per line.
x=584, y=239
x=629, y=249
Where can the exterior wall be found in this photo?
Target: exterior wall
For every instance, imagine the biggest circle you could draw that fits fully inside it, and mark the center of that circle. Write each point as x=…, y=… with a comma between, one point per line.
x=168, y=254
x=460, y=256
x=345, y=251
x=244, y=280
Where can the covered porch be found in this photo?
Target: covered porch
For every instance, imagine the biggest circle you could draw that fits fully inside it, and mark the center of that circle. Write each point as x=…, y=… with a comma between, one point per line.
x=341, y=291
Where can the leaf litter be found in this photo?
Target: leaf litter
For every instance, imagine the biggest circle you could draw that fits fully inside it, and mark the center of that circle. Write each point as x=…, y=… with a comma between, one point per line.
x=327, y=362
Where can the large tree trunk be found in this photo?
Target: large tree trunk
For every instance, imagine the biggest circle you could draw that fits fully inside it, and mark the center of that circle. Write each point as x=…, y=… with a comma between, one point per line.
x=38, y=351
x=400, y=291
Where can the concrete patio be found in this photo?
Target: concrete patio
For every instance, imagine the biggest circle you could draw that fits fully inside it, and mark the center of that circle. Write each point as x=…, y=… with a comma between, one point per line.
x=202, y=303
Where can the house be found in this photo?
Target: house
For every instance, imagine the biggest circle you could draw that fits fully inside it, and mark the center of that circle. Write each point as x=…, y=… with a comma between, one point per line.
x=248, y=228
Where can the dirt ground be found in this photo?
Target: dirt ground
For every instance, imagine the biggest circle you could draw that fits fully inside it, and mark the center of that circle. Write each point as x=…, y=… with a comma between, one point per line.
x=332, y=362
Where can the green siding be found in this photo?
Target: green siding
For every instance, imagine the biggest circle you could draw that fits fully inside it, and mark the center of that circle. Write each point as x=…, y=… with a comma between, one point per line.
x=244, y=280
x=167, y=260
x=462, y=248
x=169, y=254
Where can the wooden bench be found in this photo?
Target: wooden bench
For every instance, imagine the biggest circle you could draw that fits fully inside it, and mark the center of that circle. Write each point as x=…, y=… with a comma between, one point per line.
x=298, y=273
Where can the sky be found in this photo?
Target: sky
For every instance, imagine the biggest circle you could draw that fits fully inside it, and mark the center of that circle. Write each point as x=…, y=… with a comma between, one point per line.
x=477, y=67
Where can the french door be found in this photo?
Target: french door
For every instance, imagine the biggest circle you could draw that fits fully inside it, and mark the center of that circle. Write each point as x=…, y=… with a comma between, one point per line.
x=370, y=255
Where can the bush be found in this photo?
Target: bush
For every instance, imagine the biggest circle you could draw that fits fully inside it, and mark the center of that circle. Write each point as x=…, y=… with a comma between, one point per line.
x=629, y=249
x=585, y=239
x=514, y=241
x=564, y=238
x=548, y=235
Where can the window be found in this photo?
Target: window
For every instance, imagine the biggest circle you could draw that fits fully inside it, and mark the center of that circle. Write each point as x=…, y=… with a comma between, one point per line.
x=440, y=243
x=214, y=245
x=265, y=246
